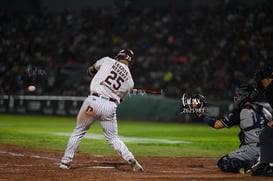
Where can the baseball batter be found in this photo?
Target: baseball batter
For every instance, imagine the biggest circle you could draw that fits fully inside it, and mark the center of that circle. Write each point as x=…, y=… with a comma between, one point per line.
x=111, y=83
x=252, y=118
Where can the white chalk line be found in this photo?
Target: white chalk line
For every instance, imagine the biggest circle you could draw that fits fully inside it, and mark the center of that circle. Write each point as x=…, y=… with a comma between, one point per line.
x=22, y=155
x=47, y=158
x=130, y=139
x=5, y=167
x=104, y=167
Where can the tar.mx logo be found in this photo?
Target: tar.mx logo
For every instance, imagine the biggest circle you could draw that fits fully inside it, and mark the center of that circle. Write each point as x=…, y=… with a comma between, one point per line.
x=35, y=71
x=191, y=105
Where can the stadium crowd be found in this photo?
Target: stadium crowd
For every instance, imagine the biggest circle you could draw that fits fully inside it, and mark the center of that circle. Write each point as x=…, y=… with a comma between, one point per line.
x=206, y=50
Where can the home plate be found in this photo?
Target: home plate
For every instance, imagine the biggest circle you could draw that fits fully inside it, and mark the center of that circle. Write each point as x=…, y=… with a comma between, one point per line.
x=101, y=167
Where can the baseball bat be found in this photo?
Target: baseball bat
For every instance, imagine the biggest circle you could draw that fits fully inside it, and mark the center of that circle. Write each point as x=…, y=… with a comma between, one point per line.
x=148, y=91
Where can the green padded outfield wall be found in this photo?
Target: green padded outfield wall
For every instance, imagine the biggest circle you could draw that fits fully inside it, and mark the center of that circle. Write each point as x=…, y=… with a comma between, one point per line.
x=135, y=107
x=150, y=108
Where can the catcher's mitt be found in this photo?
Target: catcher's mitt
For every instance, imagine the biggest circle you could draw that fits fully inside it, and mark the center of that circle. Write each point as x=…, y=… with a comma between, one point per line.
x=201, y=99
x=198, y=102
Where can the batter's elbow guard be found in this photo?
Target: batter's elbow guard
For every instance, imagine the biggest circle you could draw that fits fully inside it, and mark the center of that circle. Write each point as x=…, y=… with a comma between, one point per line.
x=210, y=121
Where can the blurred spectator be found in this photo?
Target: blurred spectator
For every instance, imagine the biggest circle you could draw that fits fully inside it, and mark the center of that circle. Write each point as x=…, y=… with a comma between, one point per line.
x=208, y=50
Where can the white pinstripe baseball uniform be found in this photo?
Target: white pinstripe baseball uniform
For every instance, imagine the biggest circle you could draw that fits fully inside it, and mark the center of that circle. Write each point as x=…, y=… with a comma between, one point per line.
x=111, y=83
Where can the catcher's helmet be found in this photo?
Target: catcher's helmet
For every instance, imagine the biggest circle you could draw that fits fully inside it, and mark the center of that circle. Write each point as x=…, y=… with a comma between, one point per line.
x=245, y=93
x=126, y=54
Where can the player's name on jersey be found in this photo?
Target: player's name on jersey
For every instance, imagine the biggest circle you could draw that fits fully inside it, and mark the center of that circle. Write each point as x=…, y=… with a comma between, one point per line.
x=120, y=70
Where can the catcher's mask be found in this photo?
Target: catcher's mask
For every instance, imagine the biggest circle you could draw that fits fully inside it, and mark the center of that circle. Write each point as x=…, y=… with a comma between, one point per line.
x=126, y=54
x=245, y=93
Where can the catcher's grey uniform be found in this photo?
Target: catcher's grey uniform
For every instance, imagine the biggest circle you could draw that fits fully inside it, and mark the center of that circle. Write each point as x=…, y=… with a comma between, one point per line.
x=251, y=118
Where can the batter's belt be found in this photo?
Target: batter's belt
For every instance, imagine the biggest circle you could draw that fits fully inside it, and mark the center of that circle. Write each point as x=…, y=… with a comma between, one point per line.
x=104, y=97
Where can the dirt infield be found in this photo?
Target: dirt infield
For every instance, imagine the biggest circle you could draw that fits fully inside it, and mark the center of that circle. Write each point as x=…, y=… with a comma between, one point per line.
x=17, y=163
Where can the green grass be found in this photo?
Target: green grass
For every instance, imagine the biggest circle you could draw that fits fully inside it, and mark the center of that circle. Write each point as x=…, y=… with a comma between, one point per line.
x=36, y=132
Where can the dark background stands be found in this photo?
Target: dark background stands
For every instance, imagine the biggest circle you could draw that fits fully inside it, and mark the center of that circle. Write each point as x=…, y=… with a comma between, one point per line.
x=181, y=47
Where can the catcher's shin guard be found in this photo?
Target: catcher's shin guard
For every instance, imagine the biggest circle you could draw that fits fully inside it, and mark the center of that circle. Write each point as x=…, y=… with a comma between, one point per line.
x=234, y=165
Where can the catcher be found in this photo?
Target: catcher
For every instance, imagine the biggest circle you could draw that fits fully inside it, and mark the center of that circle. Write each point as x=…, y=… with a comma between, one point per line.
x=252, y=118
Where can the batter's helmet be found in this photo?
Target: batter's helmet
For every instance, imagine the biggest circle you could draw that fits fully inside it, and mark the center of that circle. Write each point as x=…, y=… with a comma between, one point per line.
x=126, y=54
x=245, y=93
